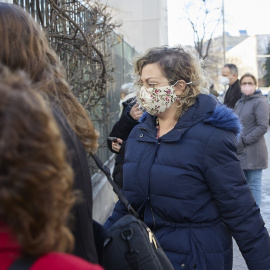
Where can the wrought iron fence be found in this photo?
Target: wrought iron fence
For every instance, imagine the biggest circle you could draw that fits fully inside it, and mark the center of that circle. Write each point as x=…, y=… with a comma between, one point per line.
x=95, y=72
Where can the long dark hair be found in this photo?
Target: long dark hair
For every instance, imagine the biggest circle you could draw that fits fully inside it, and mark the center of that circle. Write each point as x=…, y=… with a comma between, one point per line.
x=24, y=46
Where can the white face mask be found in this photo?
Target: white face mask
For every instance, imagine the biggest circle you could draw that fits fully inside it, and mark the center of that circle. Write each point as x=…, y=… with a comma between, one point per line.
x=156, y=100
x=224, y=80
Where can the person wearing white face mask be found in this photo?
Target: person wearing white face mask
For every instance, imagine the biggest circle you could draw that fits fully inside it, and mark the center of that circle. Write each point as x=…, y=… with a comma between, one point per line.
x=230, y=77
x=181, y=171
x=253, y=111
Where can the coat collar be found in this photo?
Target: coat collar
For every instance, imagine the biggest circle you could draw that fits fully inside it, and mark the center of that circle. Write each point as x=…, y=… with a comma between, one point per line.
x=256, y=94
x=207, y=109
x=237, y=82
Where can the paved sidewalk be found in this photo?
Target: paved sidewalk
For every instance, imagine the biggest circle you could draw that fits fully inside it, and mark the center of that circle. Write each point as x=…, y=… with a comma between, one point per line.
x=238, y=261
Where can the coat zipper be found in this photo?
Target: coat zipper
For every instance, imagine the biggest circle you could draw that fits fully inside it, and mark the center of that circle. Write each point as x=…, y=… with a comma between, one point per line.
x=154, y=220
x=148, y=178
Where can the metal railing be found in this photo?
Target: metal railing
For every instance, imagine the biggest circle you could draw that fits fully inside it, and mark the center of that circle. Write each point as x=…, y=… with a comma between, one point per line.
x=118, y=55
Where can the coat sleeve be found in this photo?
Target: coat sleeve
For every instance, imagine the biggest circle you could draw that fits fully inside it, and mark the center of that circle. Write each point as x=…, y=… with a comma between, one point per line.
x=120, y=209
x=261, y=111
x=123, y=127
x=234, y=200
x=118, y=212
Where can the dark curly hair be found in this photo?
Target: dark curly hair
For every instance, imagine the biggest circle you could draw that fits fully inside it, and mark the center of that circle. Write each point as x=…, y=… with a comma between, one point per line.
x=176, y=63
x=35, y=177
x=24, y=46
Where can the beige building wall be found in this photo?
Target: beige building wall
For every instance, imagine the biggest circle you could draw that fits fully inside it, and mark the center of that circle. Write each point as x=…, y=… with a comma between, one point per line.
x=250, y=56
x=244, y=56
x=144, y=23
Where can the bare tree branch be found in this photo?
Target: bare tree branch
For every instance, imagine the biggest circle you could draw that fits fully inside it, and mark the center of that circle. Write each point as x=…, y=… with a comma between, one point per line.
x=203, y=29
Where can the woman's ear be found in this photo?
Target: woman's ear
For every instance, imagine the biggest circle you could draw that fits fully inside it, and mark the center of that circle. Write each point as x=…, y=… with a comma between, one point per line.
x=179, y=87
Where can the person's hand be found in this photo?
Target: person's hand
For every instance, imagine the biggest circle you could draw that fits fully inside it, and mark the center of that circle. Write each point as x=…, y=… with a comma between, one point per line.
x=136, y=112
x=116, y=146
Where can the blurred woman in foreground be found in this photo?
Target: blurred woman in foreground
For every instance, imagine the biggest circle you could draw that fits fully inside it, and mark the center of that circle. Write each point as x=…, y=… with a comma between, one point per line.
x=24, y=46
x=35, y=181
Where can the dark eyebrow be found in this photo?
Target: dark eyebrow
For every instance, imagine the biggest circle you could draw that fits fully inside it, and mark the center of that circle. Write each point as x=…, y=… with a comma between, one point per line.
x=151, y=78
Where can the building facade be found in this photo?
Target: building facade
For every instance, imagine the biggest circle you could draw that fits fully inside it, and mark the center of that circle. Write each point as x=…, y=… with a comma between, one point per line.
x=250, y=56
x=248, y=53
x=144, y=23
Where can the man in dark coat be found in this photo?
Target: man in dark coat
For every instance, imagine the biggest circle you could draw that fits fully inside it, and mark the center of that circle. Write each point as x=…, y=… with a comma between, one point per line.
x=233, y=93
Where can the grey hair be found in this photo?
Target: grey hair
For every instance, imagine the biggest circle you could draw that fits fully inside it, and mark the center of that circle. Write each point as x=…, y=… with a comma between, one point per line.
x=232, y=67
x=127, y=88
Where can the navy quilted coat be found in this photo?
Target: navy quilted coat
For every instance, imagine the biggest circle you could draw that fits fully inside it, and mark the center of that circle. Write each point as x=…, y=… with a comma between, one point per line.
x=191, y=191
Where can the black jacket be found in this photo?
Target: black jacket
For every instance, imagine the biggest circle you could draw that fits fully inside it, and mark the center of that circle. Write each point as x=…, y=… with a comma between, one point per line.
x=83, y=223
x=121, y=130
x=233, y=94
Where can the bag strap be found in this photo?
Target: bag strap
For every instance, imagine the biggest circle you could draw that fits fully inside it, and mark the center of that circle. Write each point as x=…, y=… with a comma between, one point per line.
x=22, y=263
x=122, y=198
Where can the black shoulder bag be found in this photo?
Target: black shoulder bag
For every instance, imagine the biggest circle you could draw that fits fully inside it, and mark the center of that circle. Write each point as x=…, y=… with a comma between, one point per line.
x=22, y=263
x=132, y=245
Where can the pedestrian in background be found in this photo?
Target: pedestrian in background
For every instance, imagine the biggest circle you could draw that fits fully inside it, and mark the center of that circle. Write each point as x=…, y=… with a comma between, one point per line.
x=253, y=111
x=213, y=91
x=130, y=114
x=181, y=171
x=35, y=182
x=127, y=96
x=230, y=77
x=24, y=46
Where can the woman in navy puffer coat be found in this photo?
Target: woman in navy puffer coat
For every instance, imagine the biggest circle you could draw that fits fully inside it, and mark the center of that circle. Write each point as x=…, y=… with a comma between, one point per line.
x=184, y=177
